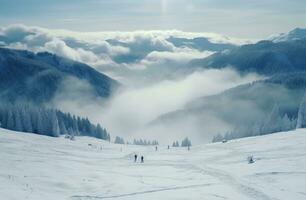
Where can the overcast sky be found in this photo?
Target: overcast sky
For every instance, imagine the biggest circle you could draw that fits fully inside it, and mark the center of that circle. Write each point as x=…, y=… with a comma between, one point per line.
x=238, y=18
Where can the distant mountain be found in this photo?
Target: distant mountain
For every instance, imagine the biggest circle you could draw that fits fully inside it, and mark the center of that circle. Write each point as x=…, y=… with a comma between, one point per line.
x=140, y=49
x=295, y=34
x=242, y=106
x=199, y=43
x=30, y=77
x=264, y=57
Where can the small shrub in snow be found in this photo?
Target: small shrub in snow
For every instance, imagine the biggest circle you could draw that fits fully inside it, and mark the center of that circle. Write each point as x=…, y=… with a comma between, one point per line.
x=251, y=159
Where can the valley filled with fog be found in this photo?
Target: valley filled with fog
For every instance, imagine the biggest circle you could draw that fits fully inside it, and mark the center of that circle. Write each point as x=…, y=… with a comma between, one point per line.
x=161, y=80
x=152, y=69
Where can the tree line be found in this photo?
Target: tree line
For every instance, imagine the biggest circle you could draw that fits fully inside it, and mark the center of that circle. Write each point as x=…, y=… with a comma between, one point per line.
x=185, y=143
x=46, y=121
x=274, y=122
x=145, y=142
x=119, y=140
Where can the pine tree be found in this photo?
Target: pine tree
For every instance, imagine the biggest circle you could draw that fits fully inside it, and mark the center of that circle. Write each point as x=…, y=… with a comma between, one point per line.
x=119, y=140
x=286, y=124
x=186, y=142
x=301, y=120
x=108, y=138
x=40, y=122
x=273, y=122
x=18, y=124
x=62, y=127
x=26, y=120
x=75, y=126
x=173, y=144
x=55, y=131
x=4, y=118
x=10, y=120
x=99, y=132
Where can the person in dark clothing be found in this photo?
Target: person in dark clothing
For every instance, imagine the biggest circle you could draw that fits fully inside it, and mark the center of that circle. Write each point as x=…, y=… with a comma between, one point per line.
x=135, y=158
x=142, y=159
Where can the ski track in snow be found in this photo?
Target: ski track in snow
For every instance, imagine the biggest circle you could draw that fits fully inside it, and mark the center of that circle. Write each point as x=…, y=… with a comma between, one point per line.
x=225, y=178
x=231, y=181
x=139, y=193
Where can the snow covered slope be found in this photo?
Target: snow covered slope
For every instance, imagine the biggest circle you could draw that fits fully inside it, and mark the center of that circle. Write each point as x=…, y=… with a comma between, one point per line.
x=39, y=167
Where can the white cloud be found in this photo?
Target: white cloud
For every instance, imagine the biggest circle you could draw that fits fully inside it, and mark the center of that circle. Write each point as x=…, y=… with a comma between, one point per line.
x=114, y=53
x=182, y=55
x=37, y=40
x=146, y=61
x=59, y=47
x=17, y=45
x=103, y=47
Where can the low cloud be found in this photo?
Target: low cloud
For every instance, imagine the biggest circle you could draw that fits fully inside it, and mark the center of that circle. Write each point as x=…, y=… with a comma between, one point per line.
x=117, y=54
x=59, y=47
x=154, y=71
x=129, y=112
x=181, y=55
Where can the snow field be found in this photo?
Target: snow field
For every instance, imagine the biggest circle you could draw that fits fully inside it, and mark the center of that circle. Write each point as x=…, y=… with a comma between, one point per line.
x=40, y=167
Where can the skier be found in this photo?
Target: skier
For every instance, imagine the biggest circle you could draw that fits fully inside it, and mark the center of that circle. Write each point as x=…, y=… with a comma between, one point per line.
x=168, y=147
x=155, y=148
x=135, y=158
x=142, y=161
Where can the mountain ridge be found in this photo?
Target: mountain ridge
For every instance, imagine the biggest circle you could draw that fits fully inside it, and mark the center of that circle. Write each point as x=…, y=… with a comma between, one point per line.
x=36, y=77
x=264, y=58
x=243, y=105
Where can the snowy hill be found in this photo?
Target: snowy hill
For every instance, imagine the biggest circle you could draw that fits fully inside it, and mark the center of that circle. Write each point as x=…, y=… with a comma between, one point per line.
x=39, y=167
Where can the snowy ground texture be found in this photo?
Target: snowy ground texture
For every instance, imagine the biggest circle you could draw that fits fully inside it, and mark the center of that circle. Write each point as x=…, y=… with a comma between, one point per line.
x=42, y=168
